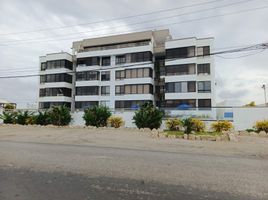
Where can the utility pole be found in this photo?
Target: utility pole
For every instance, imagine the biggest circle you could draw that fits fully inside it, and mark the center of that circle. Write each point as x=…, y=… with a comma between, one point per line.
x=264, y=89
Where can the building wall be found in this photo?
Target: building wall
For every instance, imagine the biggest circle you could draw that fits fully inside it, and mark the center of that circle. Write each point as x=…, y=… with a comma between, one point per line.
x=159, y=41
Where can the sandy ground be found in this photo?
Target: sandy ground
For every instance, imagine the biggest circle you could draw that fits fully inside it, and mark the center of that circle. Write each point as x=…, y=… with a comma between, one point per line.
x=133, y=139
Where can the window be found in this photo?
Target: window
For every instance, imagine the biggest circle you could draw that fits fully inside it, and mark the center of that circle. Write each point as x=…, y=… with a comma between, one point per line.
x=204, y=103
x=120, y=59
x=105, y=61
x=55, y=64
x=177, y=103
x=85, y=104
x=49, y=78
x=87, y=90
x=46, y=105
x=139, y=89
x=87, y=76
x=203, y=68
x=183, y=52
x=105, y=103
x=180, y=87
x=119, y=89
x=180, y=69
x=191, y=86
x=46, y=92
x=119, y=75
x=105, y=76
x=130, y=104
x=141, y=57
x=43, y=66
x=204, y=86
x=203, y=51
x=105, y=90
x=89, y=61
x=139, y=73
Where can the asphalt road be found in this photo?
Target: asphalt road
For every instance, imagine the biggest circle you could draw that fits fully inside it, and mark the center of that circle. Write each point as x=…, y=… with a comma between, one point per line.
x=53, y=171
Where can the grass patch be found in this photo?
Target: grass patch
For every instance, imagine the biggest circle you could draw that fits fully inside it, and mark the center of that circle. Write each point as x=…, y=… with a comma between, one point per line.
x=209, y=133
x=177, y=133
x=181, y=133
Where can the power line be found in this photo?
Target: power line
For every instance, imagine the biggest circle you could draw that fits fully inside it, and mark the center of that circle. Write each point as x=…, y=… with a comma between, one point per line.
x=135, y=23
x=152, y=27
x=251, y=48
x=114, y=19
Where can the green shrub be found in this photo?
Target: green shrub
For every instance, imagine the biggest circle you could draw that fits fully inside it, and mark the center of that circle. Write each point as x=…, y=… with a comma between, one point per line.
x=173, y=124
x=188, y=125
x=22, y=118
x=198, y=125
x=8, y=117
x=97, y=116
x=262, y=126
x=115, y=121
x=60, y=115
x=42, y=118
x=148, y=116
x=220, y=126
x=9, y=106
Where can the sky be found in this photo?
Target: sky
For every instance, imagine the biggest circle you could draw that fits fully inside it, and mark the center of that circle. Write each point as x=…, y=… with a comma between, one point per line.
x=31, y=28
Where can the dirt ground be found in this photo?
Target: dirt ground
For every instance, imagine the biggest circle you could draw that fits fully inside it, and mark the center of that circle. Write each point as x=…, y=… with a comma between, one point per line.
x=133, y=139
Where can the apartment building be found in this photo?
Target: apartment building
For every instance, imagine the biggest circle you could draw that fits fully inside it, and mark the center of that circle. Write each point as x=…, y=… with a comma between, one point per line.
x=56, y=80
x=124, y=71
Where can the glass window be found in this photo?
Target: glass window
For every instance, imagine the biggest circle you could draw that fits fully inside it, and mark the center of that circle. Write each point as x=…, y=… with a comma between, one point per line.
x=133, y=89
x=140, y=73
x=204, y=103
x=182, y=52
x=105, y=90
x=133, y=73
x=146, y=89
x=106, y=61
x=191, y=86
x=119, y=89
x=204, y=86
x=128, y=73
x=203, y=68
x=119, y=75
x=127, y=89
x=85, y=104
x=43, y=66
x=121, y=59
x=203, y=51
x=87, y=90
x=140, y=89
x=105, y=76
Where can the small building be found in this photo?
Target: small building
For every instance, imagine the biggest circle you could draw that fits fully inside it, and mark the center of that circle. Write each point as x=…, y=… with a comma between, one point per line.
x=3, y=103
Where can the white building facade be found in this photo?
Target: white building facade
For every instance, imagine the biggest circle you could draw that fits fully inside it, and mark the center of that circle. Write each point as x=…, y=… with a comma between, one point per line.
x=124, y=71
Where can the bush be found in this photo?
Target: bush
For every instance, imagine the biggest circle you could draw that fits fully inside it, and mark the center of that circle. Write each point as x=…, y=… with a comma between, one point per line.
x=42, y=118
x=148, y=116
x=23, y=118
x=9, y=106
x=8, y=117
x=220, y=126
x=198, y=125
x=97, y=116
x=115, y=121
x=60, y=115
x=262, y=126
x=188, y=125
x=173, y=124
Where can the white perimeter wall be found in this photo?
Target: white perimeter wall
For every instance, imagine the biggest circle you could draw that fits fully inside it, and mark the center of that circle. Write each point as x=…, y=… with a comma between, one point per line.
x=245, y=118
